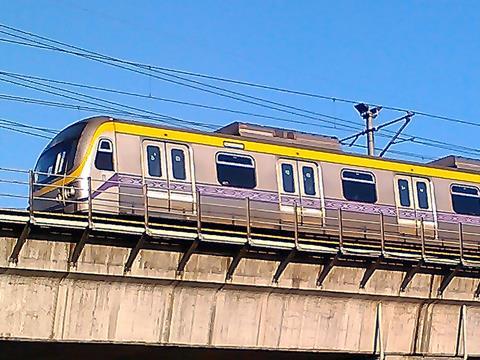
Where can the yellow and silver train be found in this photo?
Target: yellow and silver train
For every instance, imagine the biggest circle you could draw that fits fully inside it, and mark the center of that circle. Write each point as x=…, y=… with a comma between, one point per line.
x=109, y=162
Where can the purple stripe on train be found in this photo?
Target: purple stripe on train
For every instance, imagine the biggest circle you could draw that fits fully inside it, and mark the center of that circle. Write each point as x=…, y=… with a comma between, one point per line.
x=360, y=207
x=272, y=197
x=112, y=182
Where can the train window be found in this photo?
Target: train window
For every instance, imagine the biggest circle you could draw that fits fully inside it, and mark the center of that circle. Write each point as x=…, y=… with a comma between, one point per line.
x=404, y=192
x=288, y=178
x=422, y=195
x=178, y=164
x=359, y=186
x=59, y=163
x=236, y=170
x=154, y=164
x=465, y=200
x=104, y=158
x=308, y=180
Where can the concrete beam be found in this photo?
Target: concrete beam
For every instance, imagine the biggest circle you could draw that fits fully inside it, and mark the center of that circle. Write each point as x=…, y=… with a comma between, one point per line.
x=43, y=301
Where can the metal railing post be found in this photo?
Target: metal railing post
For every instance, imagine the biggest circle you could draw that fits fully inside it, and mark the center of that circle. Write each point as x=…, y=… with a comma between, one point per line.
x=322, y=215
x=199, y=214
x=295, y=223
x=422, y=237
x=340, y=229
x=90, y=204
x=248, y=219
x=460, y=238
x=382, y=234
x=145, y=205
x=31, y=185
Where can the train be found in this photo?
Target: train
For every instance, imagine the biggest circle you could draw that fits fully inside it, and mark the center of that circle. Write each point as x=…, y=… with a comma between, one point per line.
x=114, y=166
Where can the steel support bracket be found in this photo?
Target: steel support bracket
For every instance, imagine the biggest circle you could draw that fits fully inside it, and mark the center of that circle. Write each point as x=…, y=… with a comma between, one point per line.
x=20, y=242
x=135, y=250
x=187, y=255
x=283, y=264
x=370, y=270
x=236, y=260
x=447, y=279
x=77, y=250
x=410, y=274
x=332, y=262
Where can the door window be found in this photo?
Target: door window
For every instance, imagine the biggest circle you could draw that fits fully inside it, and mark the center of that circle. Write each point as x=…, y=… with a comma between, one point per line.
x=288, y=179
x=404, y=192
x=309, y=180
x=422, y=195
x=154, y=162
x=178, y=164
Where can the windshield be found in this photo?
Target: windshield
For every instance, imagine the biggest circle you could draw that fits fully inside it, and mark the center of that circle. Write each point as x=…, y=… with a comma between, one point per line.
x=58, y=158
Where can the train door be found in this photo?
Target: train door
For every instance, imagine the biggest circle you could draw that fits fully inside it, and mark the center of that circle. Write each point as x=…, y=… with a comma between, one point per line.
x=180, y=178
x=168, y=174
x=415, y=201
x=155, y=175
x=299, y=183
x=288, y=191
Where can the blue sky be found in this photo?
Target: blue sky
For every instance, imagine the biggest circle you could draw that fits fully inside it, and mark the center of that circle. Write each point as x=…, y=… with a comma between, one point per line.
x=421, y=55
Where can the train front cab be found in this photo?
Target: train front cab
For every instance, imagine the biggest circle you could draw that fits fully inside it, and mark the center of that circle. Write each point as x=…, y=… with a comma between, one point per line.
x=75, y=165
x=54, y=176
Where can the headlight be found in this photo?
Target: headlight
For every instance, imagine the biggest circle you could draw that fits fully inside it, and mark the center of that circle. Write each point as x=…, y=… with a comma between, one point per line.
x=69, y=192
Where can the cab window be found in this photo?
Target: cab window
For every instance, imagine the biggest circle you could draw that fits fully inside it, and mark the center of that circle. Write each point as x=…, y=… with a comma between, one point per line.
x=104, y=157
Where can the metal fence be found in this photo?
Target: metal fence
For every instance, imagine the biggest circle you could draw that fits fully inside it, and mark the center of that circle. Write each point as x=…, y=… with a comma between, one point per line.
x=324, y=231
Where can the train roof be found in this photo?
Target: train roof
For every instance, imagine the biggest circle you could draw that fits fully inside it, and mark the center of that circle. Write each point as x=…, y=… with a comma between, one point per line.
x=457, y=162
x=280, y=135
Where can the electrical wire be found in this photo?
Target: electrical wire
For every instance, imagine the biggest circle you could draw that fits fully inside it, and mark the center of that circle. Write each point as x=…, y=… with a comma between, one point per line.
x=174, y=101
x=97, y=56
x=25, y=132
x=27, y=126
x=158, y=117
x=162, y=69
x=418, y=140
x=118, y=63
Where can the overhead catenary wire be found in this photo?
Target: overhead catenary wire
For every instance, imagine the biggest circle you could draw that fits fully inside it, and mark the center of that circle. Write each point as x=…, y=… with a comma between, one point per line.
x=118, y=63
x=403, y=153
x=93, y=55
x=156, y=116
x=25, y=132
x=175, y=101
x=100, y=57
x=27, y=126
x=234, y=81
x=28, y=79
x=79, y=107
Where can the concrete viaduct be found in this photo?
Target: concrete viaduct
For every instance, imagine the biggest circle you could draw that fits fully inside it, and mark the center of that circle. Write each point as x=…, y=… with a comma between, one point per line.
x=119, y=292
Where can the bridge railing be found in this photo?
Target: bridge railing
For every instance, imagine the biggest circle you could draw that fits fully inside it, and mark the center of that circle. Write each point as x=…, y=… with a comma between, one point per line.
x=256, y=221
